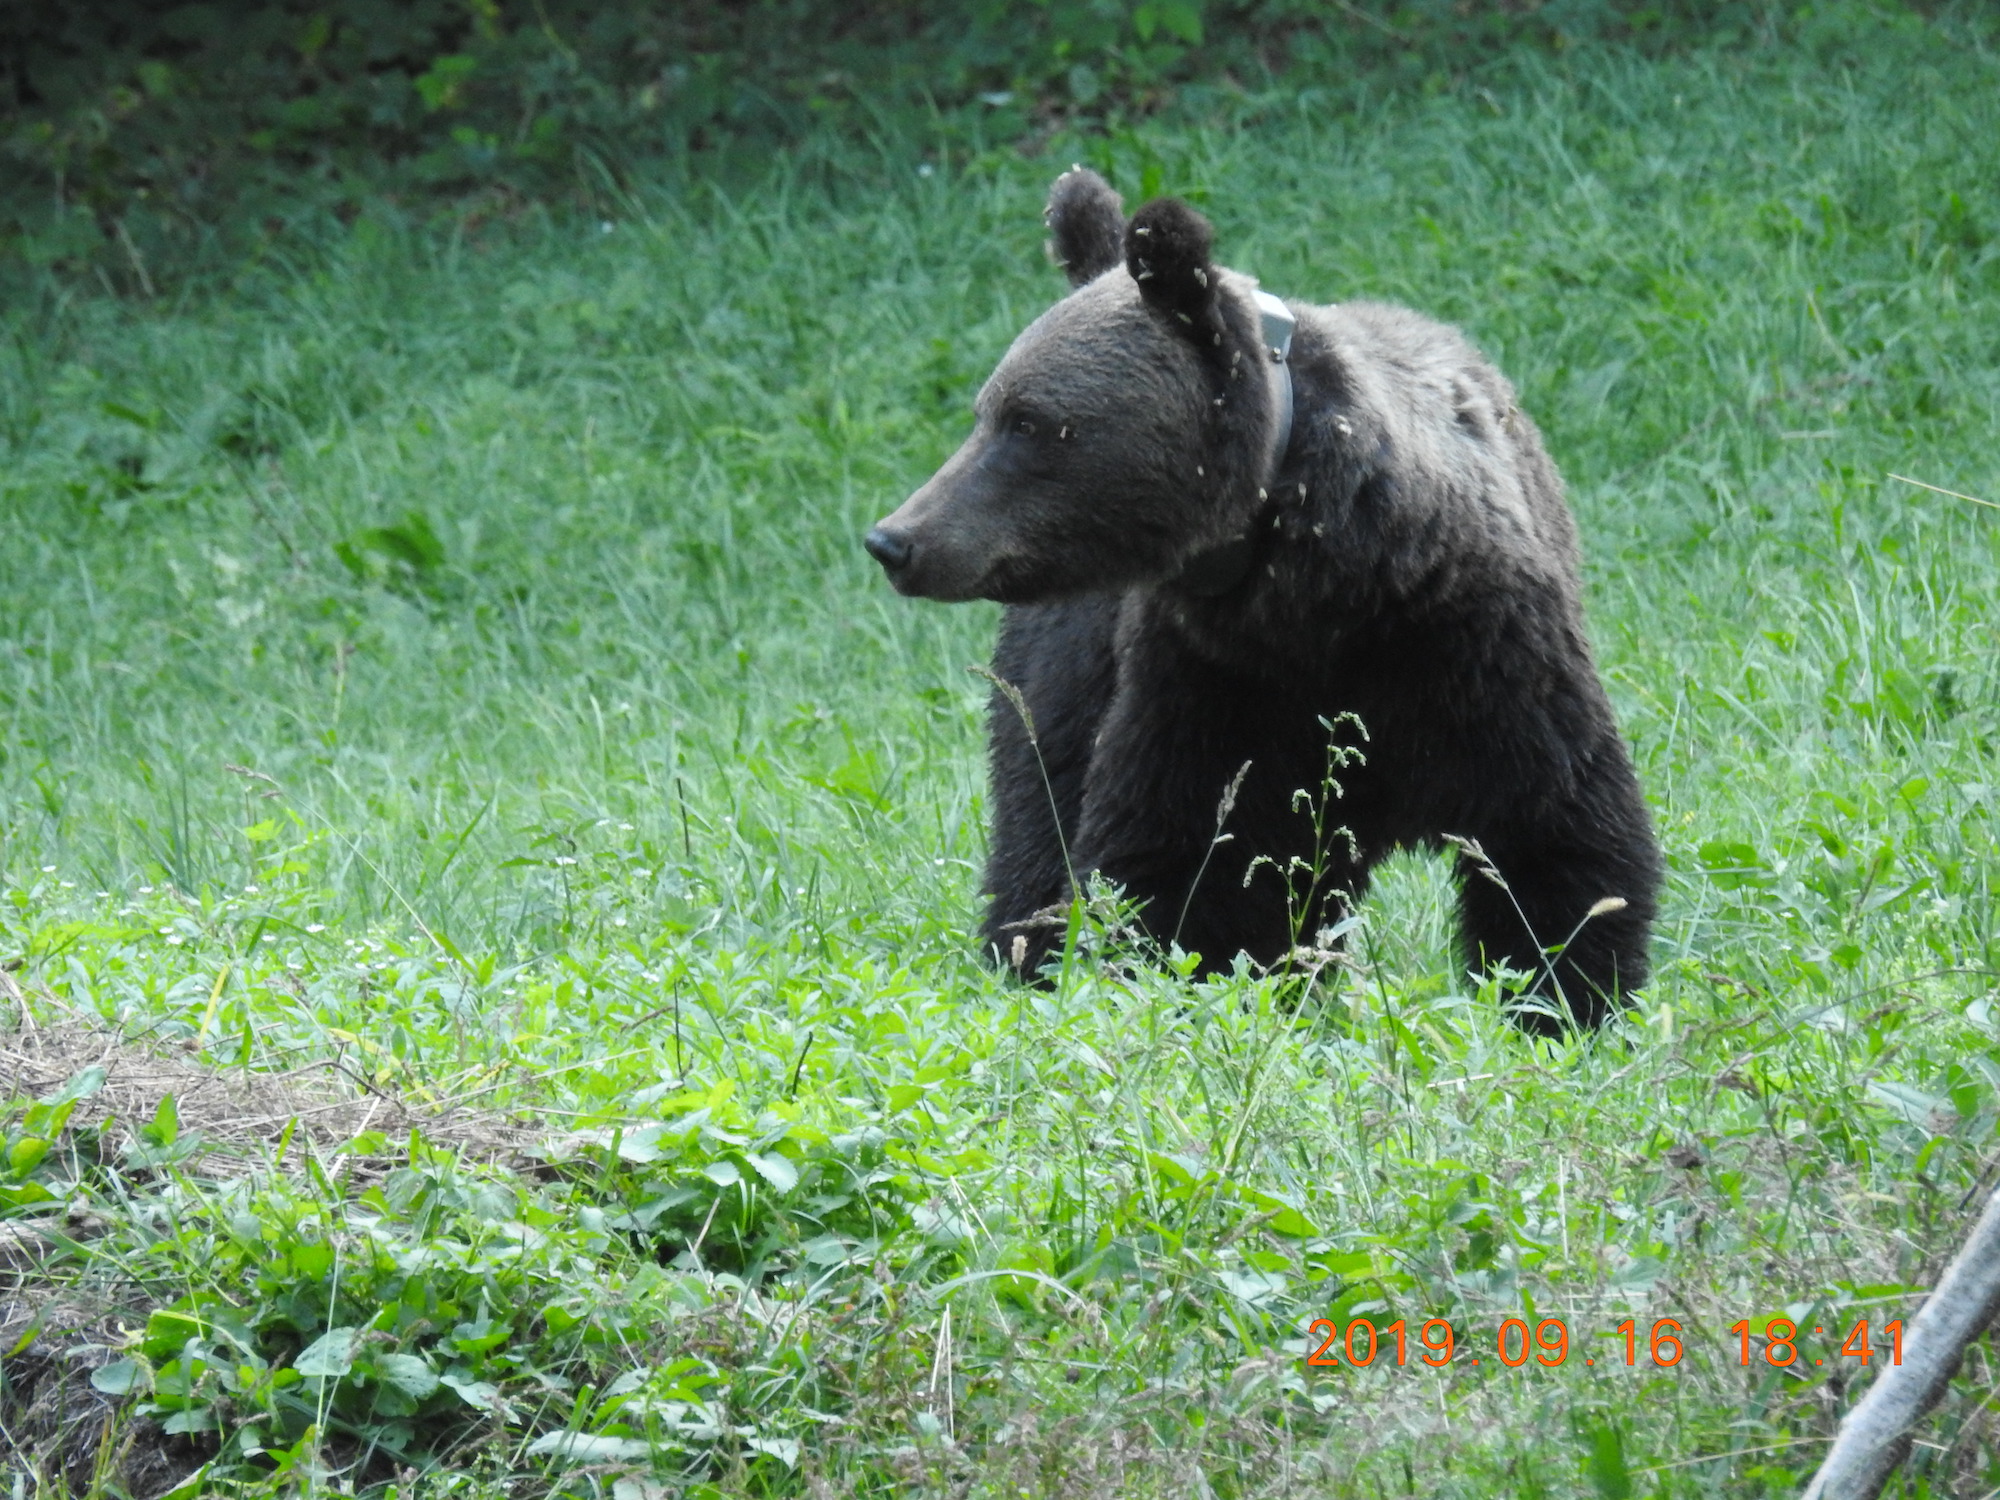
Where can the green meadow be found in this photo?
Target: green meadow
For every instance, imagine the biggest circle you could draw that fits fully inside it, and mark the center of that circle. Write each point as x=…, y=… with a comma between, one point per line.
x=489, y=870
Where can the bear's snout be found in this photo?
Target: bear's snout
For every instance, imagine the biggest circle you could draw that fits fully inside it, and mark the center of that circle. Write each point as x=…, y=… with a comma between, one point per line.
x=892, y=549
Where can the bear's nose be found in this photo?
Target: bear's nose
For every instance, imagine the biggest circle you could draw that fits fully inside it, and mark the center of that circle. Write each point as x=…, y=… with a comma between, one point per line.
x=889, y=548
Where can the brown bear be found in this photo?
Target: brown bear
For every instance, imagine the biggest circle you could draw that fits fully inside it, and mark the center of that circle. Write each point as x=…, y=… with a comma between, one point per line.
x=1288, y=587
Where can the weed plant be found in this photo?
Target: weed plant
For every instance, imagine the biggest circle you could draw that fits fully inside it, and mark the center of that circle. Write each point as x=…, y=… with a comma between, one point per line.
x=446, y=662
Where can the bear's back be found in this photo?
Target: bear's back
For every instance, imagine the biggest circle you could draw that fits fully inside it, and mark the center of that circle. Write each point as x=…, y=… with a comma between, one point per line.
x=1428, y=405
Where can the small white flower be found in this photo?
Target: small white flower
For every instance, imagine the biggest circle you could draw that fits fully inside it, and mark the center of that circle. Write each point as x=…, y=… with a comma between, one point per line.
x=563, y=861
x=176, y=940
x=249, y=890
x=925, y=169
x=145, y=890
x=626, y=827
x=318, y=927
x=69, y=885
x=48, y=869
x=642, y=874
x=619, y=923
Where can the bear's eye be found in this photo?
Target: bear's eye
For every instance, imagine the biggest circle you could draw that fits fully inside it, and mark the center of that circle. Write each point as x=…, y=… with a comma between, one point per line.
x=1024, y=427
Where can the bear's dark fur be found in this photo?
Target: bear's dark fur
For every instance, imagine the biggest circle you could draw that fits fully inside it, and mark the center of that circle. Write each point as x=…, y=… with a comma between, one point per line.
x=1183, y=598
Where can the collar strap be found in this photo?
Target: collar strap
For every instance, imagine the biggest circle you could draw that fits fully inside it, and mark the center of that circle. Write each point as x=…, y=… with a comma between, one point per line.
x=1218, y=569
x=1278, y=324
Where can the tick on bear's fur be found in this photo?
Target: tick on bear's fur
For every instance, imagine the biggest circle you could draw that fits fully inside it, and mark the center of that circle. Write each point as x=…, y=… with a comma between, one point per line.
x=1417, y=638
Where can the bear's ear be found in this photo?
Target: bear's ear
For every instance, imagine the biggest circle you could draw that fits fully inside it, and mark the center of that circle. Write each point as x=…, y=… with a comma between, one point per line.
x=1167, y=247
x=1086, y=225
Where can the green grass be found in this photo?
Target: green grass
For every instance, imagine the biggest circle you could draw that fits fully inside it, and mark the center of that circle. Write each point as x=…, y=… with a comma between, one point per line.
x=599, y=780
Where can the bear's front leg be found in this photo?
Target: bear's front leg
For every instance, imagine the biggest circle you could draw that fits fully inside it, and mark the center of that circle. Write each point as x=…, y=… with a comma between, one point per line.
x=1058, y=658
x=1587, y=856
x=1176, y=740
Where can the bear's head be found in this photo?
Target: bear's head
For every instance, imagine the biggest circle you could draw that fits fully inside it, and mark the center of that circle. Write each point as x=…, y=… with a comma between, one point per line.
x=1124, y=437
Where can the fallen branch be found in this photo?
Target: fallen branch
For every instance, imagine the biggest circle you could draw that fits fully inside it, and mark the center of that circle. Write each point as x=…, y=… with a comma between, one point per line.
x=1875, y=1436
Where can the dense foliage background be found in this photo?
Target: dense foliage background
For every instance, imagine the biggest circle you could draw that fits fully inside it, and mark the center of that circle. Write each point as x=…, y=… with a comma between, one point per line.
x=135, y=131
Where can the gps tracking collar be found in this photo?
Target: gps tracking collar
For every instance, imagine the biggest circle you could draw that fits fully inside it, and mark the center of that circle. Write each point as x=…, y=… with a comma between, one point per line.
x=1278, y=324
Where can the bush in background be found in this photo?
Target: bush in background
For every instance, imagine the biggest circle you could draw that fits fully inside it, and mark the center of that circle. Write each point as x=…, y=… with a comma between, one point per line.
x=135, y=137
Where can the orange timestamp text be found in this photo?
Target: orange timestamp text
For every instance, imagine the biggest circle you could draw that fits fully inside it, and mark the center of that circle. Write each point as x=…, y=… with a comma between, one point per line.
x=1360, y=1343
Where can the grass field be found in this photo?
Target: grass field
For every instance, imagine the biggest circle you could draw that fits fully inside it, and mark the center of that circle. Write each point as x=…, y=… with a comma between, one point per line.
x=446, y=707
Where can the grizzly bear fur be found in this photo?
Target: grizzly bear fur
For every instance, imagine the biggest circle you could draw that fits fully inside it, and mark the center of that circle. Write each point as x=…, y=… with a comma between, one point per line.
x=1395, y=587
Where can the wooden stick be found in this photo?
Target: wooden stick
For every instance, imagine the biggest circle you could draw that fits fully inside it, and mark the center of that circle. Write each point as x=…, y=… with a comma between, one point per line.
x=1875, y=1436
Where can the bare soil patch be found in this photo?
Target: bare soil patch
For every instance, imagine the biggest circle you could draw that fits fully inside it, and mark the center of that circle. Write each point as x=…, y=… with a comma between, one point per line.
x=58, y=1325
